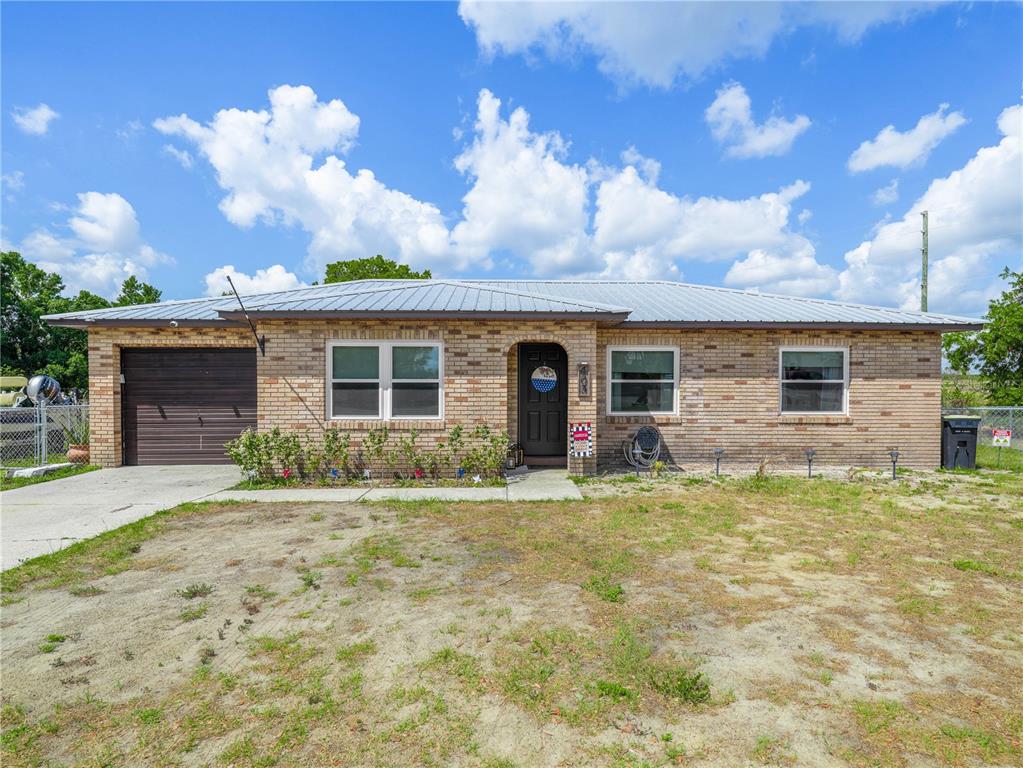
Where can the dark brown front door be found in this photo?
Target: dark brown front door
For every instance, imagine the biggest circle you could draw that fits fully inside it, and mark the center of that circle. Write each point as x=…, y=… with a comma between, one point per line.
x=179, y=406
x=543, y=404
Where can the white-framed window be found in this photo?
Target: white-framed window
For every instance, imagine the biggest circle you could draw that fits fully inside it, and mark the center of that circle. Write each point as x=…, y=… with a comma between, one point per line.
x=642, y=380
x=385, y=380
x=813, y=379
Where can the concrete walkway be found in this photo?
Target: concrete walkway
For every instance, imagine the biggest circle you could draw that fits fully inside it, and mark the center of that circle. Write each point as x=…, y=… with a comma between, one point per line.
x=538, y=485
x=45, y=517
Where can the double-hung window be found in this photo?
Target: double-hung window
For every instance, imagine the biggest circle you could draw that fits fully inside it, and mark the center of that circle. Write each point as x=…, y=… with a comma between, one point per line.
x=385, y=380
x=813, y=380
x=642, y=380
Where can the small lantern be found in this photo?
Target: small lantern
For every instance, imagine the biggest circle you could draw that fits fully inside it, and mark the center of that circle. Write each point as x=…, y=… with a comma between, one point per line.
x=515, y=456
x=810, y=453
x=718, y=455
x=894, y=455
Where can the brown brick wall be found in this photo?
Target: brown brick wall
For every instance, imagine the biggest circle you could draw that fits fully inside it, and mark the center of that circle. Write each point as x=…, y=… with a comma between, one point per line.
x=728, y=396
x=479, y=370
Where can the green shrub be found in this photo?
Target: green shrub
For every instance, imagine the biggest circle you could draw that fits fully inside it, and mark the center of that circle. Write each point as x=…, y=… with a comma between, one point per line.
x=487, y=455
x=279, y=457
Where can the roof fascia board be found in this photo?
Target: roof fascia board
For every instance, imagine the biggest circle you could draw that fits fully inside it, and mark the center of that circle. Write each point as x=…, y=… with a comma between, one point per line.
x=944, y=327
x=58, y=322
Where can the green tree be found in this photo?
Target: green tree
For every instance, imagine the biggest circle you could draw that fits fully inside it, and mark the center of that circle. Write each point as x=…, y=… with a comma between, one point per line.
x=375, y=268
x=134, y=291
x=28, y=345
x=996, y=352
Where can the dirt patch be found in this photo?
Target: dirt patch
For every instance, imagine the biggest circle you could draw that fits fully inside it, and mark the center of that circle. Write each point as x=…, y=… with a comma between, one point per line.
x=715, y=623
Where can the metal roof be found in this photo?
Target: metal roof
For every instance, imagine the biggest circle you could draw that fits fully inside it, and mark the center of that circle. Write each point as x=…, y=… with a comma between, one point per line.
x=649, y=303
x=423, y=296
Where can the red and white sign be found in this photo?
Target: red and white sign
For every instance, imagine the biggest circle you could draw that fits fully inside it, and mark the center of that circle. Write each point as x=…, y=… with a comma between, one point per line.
x=1001, y=438
x=581, y=435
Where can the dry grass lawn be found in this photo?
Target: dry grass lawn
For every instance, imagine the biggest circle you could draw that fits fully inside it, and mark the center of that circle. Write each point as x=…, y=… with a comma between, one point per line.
x=701, y=622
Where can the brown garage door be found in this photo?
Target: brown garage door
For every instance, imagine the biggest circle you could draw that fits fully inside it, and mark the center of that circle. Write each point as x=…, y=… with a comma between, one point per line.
x=181, y=405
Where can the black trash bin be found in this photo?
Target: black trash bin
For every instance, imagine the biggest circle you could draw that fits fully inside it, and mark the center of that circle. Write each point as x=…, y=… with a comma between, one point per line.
x=959, y=442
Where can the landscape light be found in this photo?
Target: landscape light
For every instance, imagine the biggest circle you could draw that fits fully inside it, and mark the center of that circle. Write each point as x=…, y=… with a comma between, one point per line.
x=810, y=453
x=718, y=453
x=894, y=454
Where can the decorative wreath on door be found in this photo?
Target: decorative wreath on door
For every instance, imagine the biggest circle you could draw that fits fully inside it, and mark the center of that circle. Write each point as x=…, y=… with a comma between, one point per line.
x=543, y=379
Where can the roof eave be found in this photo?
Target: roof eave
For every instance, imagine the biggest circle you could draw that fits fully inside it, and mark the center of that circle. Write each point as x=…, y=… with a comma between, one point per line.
x=78, y=322
x=805, y=325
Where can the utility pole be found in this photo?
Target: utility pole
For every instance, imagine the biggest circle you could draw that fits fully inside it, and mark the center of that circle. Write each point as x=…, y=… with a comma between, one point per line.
x=923, y=267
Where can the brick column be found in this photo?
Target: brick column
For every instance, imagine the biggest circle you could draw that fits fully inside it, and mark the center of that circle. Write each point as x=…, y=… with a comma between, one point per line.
x=104, y=401
x=582, y=348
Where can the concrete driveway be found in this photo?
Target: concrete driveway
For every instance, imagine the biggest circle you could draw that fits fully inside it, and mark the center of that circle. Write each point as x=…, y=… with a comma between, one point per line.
x=45, y=517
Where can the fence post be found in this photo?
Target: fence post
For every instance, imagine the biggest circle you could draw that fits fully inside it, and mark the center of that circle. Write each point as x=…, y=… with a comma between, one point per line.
x=45, y=421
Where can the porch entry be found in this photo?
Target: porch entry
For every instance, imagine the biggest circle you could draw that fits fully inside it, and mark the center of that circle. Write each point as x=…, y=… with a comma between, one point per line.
x=543, y=402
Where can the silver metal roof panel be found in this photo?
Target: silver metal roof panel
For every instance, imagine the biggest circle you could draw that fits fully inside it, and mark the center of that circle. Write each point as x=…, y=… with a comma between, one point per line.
x=629, y=302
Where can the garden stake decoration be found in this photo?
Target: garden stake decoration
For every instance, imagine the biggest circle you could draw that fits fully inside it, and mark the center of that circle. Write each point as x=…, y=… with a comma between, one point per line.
x=895, y=460
x=718, y=453
x=810, y=453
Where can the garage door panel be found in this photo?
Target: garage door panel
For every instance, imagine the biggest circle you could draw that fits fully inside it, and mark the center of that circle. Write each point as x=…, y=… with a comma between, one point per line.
x=182, y=405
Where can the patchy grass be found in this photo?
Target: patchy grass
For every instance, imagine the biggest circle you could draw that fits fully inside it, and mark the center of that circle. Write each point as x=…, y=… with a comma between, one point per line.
x=1010, y=459
x=661, y=621
x=199, y=589
x=194, y=612
x=10, y=483
x=109, y=553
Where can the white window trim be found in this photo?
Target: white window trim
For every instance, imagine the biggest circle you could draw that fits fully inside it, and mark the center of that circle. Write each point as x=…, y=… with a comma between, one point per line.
x=641, y=348
x=844, y=381
x=384, y=380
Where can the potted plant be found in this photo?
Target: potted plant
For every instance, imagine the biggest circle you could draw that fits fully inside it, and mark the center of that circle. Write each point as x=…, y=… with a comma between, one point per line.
x=77, y=434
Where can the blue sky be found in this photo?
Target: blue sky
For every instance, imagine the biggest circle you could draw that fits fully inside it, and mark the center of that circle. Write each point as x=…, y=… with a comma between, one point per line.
x=714, y=144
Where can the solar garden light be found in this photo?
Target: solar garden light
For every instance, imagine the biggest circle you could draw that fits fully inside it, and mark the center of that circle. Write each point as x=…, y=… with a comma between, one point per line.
x=810, y=453
x=718, y=453
x=894, y=454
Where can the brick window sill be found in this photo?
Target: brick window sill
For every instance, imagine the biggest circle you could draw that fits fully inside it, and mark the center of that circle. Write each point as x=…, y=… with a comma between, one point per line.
x=796, y=419
x=423, y=425
x=643, y=420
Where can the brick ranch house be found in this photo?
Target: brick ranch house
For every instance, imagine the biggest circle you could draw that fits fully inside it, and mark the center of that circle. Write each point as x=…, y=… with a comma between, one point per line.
x=758, y=375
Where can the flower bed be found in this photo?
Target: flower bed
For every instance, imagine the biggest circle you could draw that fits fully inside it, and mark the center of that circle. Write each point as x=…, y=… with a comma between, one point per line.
x=277, y=459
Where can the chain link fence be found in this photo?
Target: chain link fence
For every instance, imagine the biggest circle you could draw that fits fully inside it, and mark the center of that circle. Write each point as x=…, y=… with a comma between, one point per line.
x=33, y=437
x=994, y=417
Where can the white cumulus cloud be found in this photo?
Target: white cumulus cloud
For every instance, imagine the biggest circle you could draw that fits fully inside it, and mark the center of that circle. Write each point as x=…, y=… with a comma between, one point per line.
x=104, y=247
x=656, y=44
x=887, y=194
x=525, y=199
x=976, y=227
x=641, y=231
x=526, y=202
x=34, y=120
x=902, y=149
x=731, y=122
x=275, y=278
x=284, y=166
x=797, y=273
